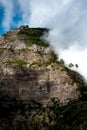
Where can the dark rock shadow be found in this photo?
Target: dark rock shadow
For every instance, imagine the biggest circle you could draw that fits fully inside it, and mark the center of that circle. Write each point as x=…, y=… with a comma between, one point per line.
x=12, y=102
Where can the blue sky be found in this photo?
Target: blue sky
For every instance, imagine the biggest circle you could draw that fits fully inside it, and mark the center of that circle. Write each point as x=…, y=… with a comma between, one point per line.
x=15, y=17
x=1, y=18
x=14, y=14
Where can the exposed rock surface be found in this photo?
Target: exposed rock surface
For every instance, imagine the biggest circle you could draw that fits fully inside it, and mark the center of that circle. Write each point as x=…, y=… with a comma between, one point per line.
x=30, y=71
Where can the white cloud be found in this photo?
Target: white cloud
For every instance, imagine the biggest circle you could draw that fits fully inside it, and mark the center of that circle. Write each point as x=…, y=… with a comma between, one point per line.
x=68, y=19
x=25, y=11
x=76, y=56
x=8, y=13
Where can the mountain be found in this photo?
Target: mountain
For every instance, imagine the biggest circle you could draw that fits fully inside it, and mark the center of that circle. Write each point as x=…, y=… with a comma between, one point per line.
x=35, y=86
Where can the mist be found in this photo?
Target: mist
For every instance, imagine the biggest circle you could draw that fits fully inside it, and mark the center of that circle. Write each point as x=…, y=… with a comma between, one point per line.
x=67, y=21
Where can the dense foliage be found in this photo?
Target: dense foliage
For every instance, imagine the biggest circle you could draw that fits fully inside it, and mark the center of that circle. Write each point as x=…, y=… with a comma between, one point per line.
x=51, y=117
x=33, y=36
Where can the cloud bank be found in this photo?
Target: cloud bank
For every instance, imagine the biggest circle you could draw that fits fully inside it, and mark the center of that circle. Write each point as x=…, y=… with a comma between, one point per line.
x=67, y=20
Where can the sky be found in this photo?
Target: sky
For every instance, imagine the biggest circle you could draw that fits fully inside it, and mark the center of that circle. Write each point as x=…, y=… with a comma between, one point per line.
x=67, y=20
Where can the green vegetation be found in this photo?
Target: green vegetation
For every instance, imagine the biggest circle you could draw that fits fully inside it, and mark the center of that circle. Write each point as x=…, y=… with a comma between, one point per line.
x=2, y=50
x=77, y=78
x=33, y=31
x=38, y=63
x=33, y=36
x=62, y=62
x=54, y=55
x=9, y=37
x=74, y=116
x=8, y=62
x=53, y=116
x=50, y=61
x=53, y=59
x=71, y=65
x=76, y=65
x=19, y=62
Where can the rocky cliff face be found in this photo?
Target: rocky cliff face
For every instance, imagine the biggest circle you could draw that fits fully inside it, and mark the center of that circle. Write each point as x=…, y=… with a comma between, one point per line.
x=30, y=70
x=34, y=84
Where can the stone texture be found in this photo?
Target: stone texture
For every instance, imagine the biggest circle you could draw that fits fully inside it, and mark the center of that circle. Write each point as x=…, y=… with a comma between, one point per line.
x=33, y=80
